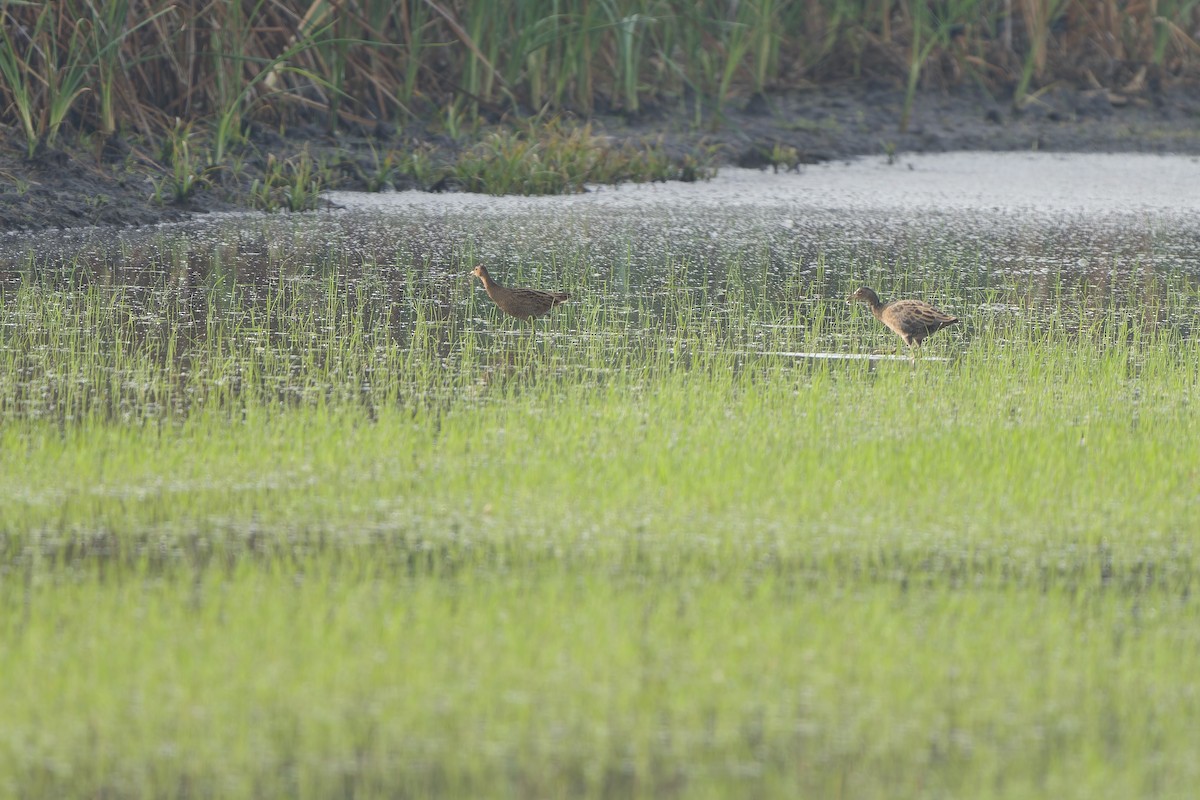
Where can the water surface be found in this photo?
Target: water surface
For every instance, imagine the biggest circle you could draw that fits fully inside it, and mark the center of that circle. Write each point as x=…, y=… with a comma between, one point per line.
x=985, y=236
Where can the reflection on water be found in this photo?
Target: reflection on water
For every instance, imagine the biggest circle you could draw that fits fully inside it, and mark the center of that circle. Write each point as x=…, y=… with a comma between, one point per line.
x=983, y=236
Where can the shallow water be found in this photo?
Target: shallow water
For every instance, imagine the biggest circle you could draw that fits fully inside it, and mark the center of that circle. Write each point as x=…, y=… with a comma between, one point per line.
x=1024, y=235
x=1012, y=214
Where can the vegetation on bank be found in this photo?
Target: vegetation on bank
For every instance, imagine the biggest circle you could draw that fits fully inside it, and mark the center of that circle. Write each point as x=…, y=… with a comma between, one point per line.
x=310, y=537
x=194, y=92
x=535, y=159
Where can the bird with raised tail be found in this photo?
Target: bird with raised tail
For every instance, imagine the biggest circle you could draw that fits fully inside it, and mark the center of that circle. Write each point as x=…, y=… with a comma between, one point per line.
x=911, y=320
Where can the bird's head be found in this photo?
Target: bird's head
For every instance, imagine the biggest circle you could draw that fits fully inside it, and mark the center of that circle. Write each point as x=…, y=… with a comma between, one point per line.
x=864, y=295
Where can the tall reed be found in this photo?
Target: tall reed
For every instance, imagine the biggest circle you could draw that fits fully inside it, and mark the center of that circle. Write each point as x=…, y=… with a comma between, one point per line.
x=140, y=64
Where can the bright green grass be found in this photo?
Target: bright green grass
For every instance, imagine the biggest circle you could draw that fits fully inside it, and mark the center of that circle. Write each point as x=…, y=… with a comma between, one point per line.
x=721, y=576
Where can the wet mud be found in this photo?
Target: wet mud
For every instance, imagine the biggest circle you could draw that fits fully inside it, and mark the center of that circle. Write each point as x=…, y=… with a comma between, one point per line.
x=109, y=183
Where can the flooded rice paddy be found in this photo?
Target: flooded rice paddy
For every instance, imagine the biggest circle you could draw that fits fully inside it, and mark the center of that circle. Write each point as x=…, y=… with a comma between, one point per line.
x=289, y=509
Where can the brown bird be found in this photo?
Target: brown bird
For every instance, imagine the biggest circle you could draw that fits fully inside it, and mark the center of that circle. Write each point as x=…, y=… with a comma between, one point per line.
x=912, y=320
x=520, y=303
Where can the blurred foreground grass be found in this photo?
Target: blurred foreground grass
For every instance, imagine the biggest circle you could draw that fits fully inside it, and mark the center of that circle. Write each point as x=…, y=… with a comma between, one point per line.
x=602, y=565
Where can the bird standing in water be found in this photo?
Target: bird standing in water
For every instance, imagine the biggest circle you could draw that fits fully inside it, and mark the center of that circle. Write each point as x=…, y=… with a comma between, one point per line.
x=911, y=320
x=520, y=303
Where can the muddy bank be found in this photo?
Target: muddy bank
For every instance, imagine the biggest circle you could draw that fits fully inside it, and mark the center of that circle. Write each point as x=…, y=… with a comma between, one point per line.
x=113, y=184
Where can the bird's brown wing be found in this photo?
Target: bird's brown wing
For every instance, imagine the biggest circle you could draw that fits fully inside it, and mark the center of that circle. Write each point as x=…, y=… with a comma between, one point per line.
x=917, y=316
x=527, y=302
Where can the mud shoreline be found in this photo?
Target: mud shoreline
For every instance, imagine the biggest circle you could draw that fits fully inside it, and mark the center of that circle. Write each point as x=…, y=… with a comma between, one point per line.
x=111, y=185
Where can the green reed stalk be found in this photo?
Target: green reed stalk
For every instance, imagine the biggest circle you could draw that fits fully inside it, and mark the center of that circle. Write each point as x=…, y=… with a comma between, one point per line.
x=17, y=68
x=414, y=24
x=628, y=58
x=766, y=38
x=105, y=34
x=65, y=72
x=738, y=42
x=932, y=25
x=916, y=59
x=1037, y=16
x=589, y=26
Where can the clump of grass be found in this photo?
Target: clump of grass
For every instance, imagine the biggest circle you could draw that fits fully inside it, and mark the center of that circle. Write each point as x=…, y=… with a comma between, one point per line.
x=294, y=184
x=52, y=53
x=558, y=160
x=187, y=172
x=383, y=172
x=778, y=157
